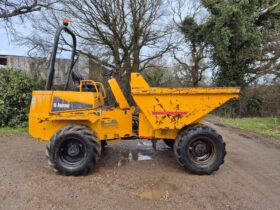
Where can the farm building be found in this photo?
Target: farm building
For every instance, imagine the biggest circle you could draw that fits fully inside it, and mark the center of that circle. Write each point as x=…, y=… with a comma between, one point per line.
x=38, y=66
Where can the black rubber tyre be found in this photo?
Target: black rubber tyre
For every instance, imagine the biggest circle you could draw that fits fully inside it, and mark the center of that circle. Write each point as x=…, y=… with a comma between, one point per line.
x=73, y=150
x=200, y=149
x=169, y=142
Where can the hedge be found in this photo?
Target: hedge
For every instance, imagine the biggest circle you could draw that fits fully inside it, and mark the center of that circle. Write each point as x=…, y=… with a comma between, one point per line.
x=15, y=95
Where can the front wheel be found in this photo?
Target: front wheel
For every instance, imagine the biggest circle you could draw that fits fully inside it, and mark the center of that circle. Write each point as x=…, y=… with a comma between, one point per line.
x=73, y=150
x=200, y=149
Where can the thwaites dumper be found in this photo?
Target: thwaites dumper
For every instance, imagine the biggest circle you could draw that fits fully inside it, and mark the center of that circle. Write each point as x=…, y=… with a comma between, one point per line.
x=77, y=124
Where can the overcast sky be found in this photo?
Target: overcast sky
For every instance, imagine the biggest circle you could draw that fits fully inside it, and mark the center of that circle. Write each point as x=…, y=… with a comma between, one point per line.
x=7, y=46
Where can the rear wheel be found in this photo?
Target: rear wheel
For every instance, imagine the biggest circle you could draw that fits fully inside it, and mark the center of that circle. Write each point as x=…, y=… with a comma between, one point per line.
x=73, y=150
x=200, y=149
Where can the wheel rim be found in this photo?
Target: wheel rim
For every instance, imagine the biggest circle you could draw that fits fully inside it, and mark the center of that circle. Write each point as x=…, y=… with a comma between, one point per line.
x=72, y=151
x=201, y=151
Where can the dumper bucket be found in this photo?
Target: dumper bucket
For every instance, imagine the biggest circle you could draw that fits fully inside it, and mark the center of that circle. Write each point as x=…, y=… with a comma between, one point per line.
x=174, y=108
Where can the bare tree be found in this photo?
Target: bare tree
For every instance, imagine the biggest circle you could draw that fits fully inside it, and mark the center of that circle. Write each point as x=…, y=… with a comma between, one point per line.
x=124, y=35
x=9, y=9
x=159, y=74
x=191, y=67
x=191, y=51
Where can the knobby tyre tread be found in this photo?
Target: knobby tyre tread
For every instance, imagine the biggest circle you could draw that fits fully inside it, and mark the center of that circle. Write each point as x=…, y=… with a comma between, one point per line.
x=89, y=139
x=186, y=136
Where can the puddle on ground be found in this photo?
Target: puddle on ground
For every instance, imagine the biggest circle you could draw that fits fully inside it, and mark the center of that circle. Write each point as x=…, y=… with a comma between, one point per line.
x=154, y=195
x=158, y=191
x=140, y=151
x=144, y=157
x=144, y=143
x=138, y=156
x=133, y=156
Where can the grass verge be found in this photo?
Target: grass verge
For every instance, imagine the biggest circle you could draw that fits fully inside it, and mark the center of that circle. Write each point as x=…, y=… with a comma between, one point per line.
x=267, y=126
x=7, y=131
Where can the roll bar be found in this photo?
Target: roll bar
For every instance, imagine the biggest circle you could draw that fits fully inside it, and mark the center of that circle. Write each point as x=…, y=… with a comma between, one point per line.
x=51, y=69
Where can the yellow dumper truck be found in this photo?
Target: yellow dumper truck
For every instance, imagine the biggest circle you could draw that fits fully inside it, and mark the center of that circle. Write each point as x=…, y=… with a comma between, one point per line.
x=77, y=124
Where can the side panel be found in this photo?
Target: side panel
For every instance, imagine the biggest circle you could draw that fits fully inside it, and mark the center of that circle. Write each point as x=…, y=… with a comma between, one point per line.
x=39, y=109
x=50, y=110
x=166, y=133
x=69, y=100
x=114, y=124
x=44, y=121
x=175, y=108
x=146, y=130
x=175, y=111
x=44, y=130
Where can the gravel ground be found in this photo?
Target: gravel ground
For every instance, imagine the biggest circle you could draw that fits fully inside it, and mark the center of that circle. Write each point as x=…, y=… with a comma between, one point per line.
x=130, y=175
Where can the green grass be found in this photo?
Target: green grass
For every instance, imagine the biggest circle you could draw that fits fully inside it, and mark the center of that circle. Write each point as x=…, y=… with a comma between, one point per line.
x=7, y=131
x=267, y=126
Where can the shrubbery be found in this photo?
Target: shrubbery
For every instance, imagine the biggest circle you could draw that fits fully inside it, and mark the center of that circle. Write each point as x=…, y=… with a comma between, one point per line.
x=260, y=101
x=15, y=96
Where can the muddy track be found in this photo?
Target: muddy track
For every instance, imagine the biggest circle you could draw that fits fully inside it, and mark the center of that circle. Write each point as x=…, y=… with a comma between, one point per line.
x=130, y=175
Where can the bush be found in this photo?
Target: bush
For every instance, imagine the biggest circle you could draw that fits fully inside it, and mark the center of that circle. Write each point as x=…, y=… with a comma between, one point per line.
x=15, y=96
x=260, y=101
x=231, y=109
x=254, y=106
